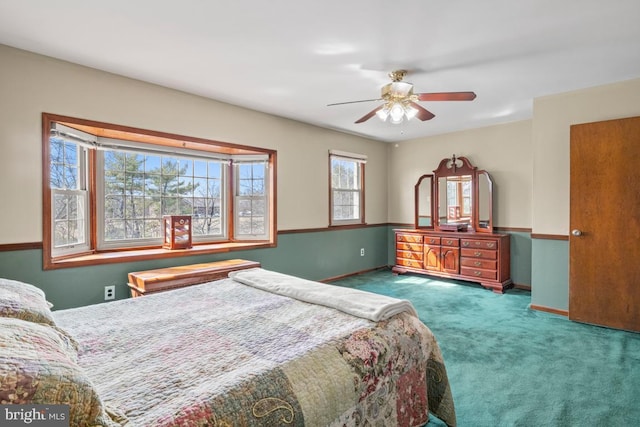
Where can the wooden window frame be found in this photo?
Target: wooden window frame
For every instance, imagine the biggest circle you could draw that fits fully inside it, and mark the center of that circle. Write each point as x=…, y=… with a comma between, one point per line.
x=360, y=160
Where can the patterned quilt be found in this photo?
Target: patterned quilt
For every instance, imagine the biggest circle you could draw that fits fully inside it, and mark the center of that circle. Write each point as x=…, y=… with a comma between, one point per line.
x=226, y=354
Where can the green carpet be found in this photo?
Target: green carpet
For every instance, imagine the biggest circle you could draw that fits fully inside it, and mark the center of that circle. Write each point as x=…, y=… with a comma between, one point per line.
x=512, y=366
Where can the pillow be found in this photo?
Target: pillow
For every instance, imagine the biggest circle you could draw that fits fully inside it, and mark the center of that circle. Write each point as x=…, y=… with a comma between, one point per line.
x=24, y=301
x=38, y=366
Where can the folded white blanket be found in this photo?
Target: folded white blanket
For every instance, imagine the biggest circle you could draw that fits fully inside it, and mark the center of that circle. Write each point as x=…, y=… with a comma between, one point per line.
x=358, y=303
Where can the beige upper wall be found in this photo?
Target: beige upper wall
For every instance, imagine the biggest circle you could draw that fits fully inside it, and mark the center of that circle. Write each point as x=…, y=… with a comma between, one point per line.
x=31, y=84
x=552, y=117
x=503, y=150
x=529, y=160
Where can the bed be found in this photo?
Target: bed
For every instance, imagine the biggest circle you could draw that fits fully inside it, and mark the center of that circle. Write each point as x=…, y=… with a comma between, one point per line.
x=259, y=348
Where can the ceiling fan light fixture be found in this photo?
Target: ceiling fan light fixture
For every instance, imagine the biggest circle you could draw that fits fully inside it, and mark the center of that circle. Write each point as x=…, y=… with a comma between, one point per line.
x=396, y=113
x=410, y=112
x=400, y=103
x=383, y=113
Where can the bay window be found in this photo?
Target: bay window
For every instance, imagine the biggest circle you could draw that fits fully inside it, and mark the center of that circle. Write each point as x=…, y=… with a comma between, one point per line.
x=107, y=188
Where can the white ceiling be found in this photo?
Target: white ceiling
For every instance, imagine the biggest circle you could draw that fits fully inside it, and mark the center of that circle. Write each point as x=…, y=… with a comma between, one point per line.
x=291, y=58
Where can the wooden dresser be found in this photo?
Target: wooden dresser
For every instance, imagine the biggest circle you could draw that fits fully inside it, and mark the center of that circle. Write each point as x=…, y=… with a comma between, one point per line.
x=164, y=279
x=477, y=257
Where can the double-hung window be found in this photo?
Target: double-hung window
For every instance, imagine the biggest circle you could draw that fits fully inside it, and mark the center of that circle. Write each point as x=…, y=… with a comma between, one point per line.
x=251, y=198
x=68, y=161
x=108, y=187
x=346, y=202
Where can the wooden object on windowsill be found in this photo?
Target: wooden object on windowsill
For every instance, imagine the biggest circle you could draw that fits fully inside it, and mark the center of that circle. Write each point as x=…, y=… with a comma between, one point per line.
x=164, y=279
x=177, y=231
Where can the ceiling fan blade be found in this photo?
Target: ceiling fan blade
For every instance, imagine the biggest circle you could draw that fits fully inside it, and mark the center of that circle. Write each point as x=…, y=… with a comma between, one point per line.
x=423, y=114
x=354, y=102
x=447, y=96
x=369, y=115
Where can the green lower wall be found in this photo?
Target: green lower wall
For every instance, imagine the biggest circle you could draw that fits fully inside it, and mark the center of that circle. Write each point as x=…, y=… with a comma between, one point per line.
x=521, y=258
x=315, y=255
x=550, y=278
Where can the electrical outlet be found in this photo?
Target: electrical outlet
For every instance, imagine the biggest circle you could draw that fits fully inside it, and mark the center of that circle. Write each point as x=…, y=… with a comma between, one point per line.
x=361, y=251
x=109, y=292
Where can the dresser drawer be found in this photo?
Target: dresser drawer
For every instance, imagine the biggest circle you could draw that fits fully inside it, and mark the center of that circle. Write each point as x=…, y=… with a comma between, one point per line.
x=409, y=255
x=479, y=253
x=479, y=263
x=409, y=238
x=479, y=273
x=409, y=262
x=416, y=247
x=447, y=241
x=479, y=244
x=431, y=240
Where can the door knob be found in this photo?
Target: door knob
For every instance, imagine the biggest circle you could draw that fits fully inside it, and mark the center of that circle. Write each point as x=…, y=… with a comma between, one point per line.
x=576, y=232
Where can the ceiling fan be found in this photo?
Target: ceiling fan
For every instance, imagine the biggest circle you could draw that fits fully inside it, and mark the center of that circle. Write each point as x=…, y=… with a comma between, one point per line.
x=400, y=101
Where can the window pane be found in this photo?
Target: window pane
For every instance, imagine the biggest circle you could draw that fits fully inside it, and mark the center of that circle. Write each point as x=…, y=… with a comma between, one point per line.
x=70, y=153
x=152, y=208
x=134, y=228
x=56, y=150
x=61, y=234
x=186, y=167
x=258, y=207
x=152, y=229
x=152, y=163
x=169, y=167
x=114, y=207
x=200, y=168
x=69, y=219
x=200, y=187
x=70, y=174
x=215, y=169
x=258, y=187
x=114, y=230
x=185, y=186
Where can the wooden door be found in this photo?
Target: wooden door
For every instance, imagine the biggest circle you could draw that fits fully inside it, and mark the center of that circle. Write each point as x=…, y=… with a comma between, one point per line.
x=604, y=244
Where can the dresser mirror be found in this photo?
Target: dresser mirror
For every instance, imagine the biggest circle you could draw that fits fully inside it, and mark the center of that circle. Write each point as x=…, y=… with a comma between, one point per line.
x=424, y=202
x=485, y=198
x=456, y=197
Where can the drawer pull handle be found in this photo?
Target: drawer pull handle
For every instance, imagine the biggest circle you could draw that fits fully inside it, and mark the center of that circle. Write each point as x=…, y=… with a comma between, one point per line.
x=478, y=243
x=477, y=263
x=465, y=243
x=477, y=273
x=448, y=242
x=490, y=244
x=477, y=253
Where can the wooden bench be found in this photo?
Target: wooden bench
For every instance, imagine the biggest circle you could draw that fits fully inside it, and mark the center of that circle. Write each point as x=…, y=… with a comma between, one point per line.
x=164, y=279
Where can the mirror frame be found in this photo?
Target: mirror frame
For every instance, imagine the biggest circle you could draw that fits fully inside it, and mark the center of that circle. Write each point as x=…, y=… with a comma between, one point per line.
x=417, y=202
x=451, y=167
x=489, y=227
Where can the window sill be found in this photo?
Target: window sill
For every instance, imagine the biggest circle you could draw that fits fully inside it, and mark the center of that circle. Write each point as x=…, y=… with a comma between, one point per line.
x=150, y=254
